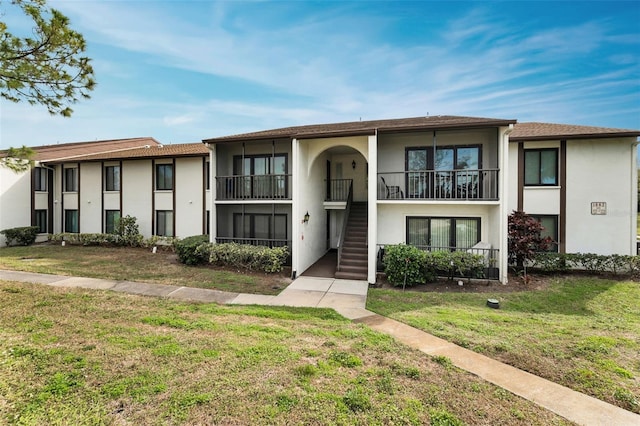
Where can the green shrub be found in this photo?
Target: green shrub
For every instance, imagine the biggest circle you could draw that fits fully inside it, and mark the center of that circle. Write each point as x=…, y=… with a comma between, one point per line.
x=24, y=236
x=404, y=264
x=465, y=264
x=593, y=263
x=129, y=232
x=187, y=250
x=258, y=258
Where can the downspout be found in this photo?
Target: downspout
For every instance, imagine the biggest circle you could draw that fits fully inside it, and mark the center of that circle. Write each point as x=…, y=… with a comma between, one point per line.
x=212, y=193
x=634, y=196
x=504, y=204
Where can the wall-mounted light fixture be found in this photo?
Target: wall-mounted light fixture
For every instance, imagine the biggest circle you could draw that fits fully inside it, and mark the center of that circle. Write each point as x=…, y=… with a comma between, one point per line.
x=353, y=164
x=306, y=217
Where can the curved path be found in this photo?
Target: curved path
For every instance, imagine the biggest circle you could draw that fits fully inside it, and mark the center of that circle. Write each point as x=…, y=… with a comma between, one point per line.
x=349, y=299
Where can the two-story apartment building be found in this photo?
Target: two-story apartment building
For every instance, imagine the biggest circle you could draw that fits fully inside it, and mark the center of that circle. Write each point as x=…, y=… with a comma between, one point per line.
x=439, y=183
x=86, y=187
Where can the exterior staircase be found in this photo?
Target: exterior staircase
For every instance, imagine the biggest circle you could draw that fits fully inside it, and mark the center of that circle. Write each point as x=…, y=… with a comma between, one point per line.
x=354, y=256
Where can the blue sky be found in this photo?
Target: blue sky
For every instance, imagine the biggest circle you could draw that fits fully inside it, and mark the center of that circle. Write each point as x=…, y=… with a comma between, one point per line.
x=182, y=71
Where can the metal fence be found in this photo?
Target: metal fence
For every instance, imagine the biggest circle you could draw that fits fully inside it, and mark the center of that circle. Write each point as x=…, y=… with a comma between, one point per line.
x=490, y=260
x=253, y=187
x=439, y=185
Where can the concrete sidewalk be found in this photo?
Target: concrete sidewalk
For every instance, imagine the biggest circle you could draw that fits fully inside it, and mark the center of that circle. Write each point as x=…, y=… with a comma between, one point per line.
x=349, y=299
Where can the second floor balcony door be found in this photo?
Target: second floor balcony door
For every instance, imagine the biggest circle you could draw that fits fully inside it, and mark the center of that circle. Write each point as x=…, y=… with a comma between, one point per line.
x=262, y=176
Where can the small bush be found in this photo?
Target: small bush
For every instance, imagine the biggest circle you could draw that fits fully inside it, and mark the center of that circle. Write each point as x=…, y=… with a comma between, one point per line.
x=24, y=236
x=129, y=232
x=257, y=258
x=404, y=264
x=187, y=250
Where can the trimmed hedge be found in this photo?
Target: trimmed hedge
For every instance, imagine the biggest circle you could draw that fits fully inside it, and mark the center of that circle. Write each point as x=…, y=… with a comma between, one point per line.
x=109, y=240
x=403, y=262
x=24, y=235
x=187, y=252
x=256, y=258
x=590, y=262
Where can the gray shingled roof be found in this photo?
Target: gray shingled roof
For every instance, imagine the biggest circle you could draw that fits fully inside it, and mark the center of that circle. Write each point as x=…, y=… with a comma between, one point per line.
x=67, y=151
x=365, y=128
x=548, y=131
x=152, y=151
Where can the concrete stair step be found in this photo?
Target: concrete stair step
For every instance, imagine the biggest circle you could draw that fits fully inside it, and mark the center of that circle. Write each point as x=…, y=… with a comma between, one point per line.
x=362, y=263
x=350, y=275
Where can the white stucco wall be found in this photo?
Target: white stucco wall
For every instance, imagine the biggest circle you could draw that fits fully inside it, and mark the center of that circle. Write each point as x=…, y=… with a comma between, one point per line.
x=598, y=170
x=311, y=236
x=137, y=189
x=392, y=219
x=15, y=200
x=90, y=198
x=189, y=186
x=601, y=170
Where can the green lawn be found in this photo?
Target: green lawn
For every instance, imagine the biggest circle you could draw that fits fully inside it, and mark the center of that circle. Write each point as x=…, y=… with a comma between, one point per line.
x=583, y=333
x=134, y=264
x=74, y=356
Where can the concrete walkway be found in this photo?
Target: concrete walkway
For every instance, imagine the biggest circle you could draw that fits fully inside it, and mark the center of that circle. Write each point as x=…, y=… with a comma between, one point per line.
x=349, y=298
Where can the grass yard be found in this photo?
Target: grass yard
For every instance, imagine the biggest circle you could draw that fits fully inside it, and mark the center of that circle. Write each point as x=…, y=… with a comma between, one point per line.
x=583, y=333
x=72, y=356
x=134, y=264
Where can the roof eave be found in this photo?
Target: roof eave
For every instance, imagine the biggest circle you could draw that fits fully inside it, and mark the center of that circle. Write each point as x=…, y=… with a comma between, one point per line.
x=574, y=136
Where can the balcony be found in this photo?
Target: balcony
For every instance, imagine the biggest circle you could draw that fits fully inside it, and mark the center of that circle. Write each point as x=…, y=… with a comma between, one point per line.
x=253, y=187
x=441, y=185
x=338, y=189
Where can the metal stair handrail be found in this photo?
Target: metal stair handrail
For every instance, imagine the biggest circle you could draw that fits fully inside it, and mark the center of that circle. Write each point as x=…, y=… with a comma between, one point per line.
x=343, y=233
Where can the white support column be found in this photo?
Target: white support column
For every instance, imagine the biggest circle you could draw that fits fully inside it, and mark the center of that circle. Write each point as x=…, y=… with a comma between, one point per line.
x=372, y=203
x=503, y=161
x=213, y=172
x=633, y=169
x=295, y=205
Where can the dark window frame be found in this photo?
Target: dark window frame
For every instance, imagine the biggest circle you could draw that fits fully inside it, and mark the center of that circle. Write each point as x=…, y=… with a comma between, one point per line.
x=207, y=174
x=539, y=152
x=40, y=179
x=251, y=181
x=556, y=231
x=163, y=223
x=69, y=223
x=71, y=179
x=430, y=159
x=110, y=181
x=110, y=228
x=252, y=233
x=164, y=182
x=452, y=231
x=41, y=220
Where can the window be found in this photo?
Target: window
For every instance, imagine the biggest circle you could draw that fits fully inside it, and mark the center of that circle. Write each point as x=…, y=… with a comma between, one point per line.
x=450, y=173
x=207, y=226
x=164, y=177
x=263, y=176
x=443, y=232
x=71, y=180
x=164, y=223
x=111, y=218
x=550, y=224
x=541, y=167
x=207, y=178
x=71, y=221
x=263, y=228
x=41, y=221
x=112, y=178
x=40, y=179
